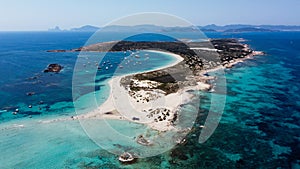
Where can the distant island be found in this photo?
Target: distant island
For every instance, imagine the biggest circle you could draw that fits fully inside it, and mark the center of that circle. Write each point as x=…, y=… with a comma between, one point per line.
x=250, y=29
x=207, y=28
x=86, y=28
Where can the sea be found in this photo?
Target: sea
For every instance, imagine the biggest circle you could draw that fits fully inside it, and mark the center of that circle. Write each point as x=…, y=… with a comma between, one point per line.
x=259, y=127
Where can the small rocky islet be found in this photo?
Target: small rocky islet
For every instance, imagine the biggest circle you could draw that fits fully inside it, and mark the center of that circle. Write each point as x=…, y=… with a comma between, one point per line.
x=53, y=67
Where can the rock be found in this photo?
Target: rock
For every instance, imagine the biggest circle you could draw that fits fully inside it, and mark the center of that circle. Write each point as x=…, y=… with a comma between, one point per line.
x=127, y=157
x=141, y=140
x=53, y=68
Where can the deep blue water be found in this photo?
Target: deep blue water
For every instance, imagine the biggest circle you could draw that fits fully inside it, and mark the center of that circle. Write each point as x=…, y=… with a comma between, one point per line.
x=260, y=126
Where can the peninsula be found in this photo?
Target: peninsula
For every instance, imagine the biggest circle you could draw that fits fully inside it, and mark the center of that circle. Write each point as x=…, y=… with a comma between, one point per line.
x=170, y=85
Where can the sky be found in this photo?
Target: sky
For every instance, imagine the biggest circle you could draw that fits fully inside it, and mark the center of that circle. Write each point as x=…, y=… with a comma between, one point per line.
x=18, y=15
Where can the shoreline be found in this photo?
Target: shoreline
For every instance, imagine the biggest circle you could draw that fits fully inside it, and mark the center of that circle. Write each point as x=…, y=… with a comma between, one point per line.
x=108, y=110
x=234, y=62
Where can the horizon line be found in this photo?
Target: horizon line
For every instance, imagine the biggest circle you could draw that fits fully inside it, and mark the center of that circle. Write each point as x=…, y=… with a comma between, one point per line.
x=69, y=29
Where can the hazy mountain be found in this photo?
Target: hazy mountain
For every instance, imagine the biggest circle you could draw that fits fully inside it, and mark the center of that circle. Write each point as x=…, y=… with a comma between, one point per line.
x=249, y=29
x=86, y=28
x=223, y=28
x=207, y=30
x=241, y=27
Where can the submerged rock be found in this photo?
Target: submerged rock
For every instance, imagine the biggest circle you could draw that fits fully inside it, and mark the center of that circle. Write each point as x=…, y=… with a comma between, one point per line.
x=53, y=68
x=30, y=93
x=141, y=140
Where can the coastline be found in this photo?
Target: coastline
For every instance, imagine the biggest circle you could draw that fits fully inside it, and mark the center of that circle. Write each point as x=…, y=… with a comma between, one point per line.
x=234, y=62
x=172, y=101
x=116, y=106
x=107, y=110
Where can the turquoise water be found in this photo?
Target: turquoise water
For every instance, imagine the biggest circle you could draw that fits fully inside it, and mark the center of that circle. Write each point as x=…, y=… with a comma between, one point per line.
x=259, y=128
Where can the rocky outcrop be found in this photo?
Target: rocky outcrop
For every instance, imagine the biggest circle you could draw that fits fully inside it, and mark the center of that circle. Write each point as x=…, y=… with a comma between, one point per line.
x=57, y=50
x=127, y=158
x=141, y=140
x=56, y=68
